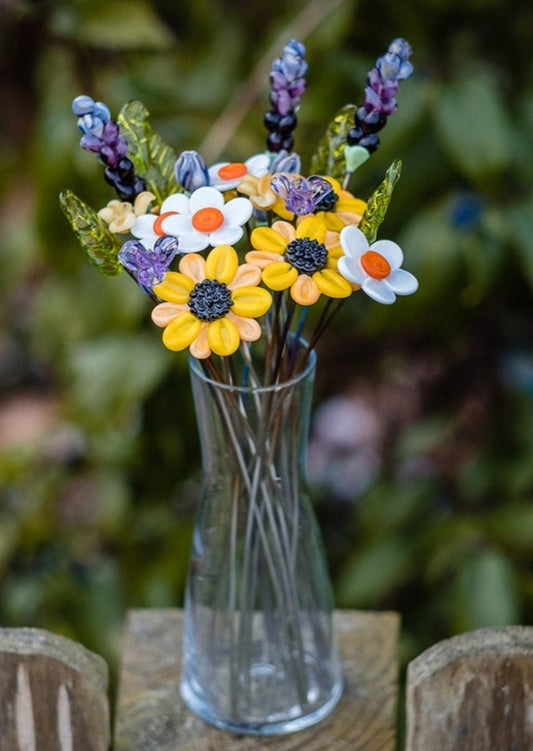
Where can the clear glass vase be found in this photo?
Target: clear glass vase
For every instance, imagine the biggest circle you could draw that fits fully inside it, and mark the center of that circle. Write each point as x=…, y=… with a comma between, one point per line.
x=260, y=654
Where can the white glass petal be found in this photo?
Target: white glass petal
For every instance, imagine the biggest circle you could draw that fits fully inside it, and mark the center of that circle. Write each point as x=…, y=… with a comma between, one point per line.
x=176, y=202
x=258, y=164
x=214, y=177
x=144, y=225
x=402, y=282
x=353, y=242
x=378, y=291
x=390, y=251
x=191, y=242
x=204, y=197
x=238, y=211
x=149, y=241
x=350, y=269
x=227, y=235
x=177, y=224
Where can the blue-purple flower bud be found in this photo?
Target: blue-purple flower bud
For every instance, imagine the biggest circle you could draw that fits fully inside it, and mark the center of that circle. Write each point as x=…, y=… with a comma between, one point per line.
x=191, y=171
x=285, y=161
x=84, y=105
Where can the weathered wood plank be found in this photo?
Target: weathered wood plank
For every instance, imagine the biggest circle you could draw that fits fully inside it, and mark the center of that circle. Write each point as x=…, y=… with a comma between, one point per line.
x=53, y=694
x=473, y=692
x=151, y=715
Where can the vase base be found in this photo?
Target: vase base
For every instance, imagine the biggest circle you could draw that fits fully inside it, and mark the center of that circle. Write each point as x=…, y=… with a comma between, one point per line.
x=290, y=724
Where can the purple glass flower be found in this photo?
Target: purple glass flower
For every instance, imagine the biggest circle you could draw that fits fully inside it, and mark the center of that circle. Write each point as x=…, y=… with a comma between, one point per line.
x=148, y=267
x=287, y=82
x=287, y=78
x=380, y=95
x=301, y=195
x=100, y=134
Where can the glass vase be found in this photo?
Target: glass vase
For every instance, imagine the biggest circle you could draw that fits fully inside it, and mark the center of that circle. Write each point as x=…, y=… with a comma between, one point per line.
x=260, y=655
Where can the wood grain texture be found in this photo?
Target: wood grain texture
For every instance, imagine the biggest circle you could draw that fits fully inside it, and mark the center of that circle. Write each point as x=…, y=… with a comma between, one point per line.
x=151, y=715
x=473, y=692
x=53, y=694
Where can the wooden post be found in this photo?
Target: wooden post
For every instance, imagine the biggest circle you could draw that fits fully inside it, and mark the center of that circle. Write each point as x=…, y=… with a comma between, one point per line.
x=473, y=692
x=151, y=715
x=53, y=694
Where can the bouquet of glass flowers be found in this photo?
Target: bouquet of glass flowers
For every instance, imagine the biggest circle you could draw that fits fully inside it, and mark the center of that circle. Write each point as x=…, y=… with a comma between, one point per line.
x=260, y=652
x=301, y=240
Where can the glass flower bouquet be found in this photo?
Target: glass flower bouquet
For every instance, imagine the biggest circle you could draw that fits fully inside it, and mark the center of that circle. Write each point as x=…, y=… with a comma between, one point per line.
x=233, y=256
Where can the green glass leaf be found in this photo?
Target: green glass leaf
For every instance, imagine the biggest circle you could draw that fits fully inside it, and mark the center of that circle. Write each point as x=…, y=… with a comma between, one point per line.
x=378, y=203
x=153, y=158
x=329, y=158
x=98, y=242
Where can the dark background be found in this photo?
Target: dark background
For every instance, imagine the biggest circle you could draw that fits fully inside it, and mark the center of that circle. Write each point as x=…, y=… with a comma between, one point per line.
x=421, y=451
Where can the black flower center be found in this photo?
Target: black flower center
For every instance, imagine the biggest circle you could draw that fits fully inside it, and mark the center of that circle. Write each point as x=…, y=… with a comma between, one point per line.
x=210, y=300
x=306, y=255
x=328, y=202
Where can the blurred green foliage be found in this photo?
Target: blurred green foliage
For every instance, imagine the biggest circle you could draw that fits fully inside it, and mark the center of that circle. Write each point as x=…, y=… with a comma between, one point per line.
x=99, y=464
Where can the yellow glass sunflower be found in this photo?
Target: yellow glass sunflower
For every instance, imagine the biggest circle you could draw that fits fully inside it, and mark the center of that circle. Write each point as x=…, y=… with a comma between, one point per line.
x=211, y=304
x=300, y=258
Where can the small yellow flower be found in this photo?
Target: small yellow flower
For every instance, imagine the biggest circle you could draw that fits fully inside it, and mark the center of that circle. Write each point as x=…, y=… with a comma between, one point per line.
x=120, y=216
x=211, y=304
x=300, y=258
x=259, y=191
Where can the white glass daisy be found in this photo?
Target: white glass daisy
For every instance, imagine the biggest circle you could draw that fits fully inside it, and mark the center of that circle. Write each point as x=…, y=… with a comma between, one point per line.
x=375, y=268
x=198, y=221
x=227, y=175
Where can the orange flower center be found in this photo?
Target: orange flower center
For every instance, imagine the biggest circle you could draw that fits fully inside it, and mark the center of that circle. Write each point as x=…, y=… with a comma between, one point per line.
x=232, y=171
x=375, y=264
x=207, y=220
x=159, y=221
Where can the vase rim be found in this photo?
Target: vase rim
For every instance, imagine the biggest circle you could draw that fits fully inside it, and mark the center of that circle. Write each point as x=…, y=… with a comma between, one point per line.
x=196, y=368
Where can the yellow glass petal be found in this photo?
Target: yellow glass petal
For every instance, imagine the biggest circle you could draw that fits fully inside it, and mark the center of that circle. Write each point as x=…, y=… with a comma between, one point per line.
x=181, y=332
x=165, y=312
x=200, y=347
x=250, y=302
x=333, y=256
x=175, y=287
x=248, y=328
x=304, y=290
x=222, y=264
x=312, y=227
x=332, y=284
x=247, y=275
x=280, y=209
x=193, y=266
x=333, y=222
x=279, y=276
x=266, y=238
x=350, y=204
x=262, y=258
x=223, y=336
